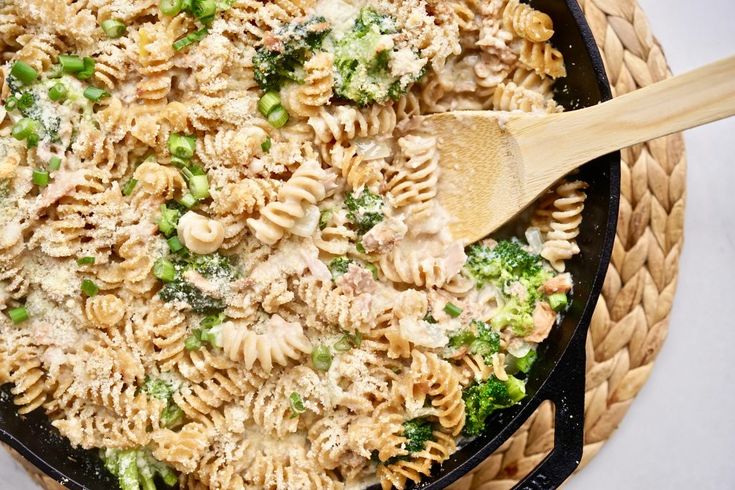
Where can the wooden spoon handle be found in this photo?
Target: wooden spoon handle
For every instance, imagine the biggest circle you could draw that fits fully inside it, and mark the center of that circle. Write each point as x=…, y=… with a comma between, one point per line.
x=570, y=139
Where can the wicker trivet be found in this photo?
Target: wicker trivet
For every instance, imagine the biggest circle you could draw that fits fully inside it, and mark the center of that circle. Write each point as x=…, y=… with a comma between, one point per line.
x=631, y=319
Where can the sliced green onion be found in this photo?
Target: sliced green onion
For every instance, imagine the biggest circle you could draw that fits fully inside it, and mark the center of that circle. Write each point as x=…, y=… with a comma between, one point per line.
x=278, y=117
x=113, y=28
x=24, y=72
x=40, y=177
x=204, y=10
x=373, y=269
x=89, y=288
x=32, y=140
x=54, y=164
x=191, y=38
x=88, y=70
x=269, y=102
x=11, y=103
x=452, y=310
x=321, y=357
x=18, y=315
x=88, y=260
x=95, y=94
x=187, y=200
x=174, y=244
x=178, y=162
x=199, y=186
x=170, y=7
x=360, y=247
x=266, y=145
x=182, y=145
x=193, y=342
x=297, y=404
x=343, y=345
x=129, y=186
x=558, y=301
x=24, y=128
x=195, y=170
x=164, y=270
x=168, y=220
x=71, y=63
x=325, y=215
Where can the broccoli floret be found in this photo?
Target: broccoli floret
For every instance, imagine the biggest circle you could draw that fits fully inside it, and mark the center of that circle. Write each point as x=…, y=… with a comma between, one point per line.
x=160, y=388
x=417, y=432
x=164, y=389
x=364, y=210
x=479, y=338
x=362, y=59
x=213, y=266
x=339, y=266
x=517, y=274
x=136, y=468
x=284, y=54
x=482, y=399
x=207, y=332
x=525, y=363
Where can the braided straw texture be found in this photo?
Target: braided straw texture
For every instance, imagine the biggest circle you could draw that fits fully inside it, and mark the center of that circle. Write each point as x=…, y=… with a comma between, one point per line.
x=631, y=319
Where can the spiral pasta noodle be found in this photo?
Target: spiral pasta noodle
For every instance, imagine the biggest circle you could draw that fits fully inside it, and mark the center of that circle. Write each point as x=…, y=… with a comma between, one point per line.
x=566, y=216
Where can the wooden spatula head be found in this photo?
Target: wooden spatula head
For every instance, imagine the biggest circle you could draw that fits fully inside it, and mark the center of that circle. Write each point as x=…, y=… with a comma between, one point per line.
x=479, y=197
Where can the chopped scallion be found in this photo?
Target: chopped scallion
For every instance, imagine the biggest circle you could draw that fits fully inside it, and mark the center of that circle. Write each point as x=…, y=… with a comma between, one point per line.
x=170, y=7
x=187, y=200
x=199, y=186
x=71, y=63
x=191, y=38
x=89, y=288
x=24, y=128
x=11, y=103
x=95, y=94
x=32, y=140
x=113, y=28
x=40, y=177
x=88, y=69
x=278, y=117
x=297, y=404
x=18, y=315
x=268, y=103
x=24, y=72
x=164, y=270
x=266, y=145
x=182, y=145
x=452, y=310
x=321, y=357
x=204, y=10
x=129, y=186
x=174, y=244
x=58, y=92
x=88, y=260
x=54, y=164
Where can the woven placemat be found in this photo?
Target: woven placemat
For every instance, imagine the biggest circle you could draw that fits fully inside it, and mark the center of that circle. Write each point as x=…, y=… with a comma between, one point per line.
x=631, y=318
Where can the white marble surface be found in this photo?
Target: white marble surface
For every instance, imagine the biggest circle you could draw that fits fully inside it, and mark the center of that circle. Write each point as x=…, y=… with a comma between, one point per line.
x=680, y=431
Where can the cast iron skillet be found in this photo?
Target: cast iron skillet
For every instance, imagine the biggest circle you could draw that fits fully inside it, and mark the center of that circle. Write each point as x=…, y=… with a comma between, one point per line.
x=558, y=375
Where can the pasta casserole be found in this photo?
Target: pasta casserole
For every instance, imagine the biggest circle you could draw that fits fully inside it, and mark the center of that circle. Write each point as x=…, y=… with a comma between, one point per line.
x=223, y=263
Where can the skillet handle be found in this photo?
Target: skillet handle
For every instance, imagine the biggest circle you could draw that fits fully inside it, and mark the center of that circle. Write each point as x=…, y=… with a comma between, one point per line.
x=566, y=391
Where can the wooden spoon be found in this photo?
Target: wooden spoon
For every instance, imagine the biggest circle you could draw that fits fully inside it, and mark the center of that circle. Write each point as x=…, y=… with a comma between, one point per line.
x=495, y=163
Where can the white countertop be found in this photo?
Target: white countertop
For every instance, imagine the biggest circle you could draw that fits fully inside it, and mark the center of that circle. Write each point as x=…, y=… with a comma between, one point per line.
x=680, y=431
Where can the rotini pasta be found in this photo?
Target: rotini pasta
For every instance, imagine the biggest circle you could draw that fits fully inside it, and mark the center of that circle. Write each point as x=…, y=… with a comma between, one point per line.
x=222, y=256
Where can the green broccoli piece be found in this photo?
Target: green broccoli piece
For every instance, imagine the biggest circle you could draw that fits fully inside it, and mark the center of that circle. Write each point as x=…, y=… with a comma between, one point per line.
x=180, y=290
x=164, y=389
x=519, y=276
x=417, y=432
x=339, y=266
x=207, y=332
x=363, y=64
x=160, y=388
x=482, y=399
x=136, y=469
x=525, y=363
x=213, y=266
x=480, y=338
x=284, y=54
x=364, y=210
